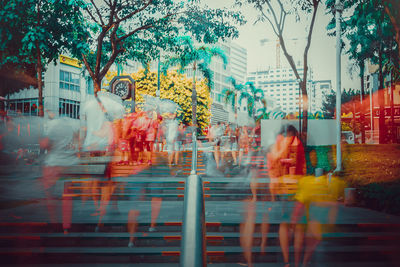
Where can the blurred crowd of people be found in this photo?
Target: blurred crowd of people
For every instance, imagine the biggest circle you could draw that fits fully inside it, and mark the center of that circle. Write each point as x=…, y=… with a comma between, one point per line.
x=230, y=140
x=306, y=202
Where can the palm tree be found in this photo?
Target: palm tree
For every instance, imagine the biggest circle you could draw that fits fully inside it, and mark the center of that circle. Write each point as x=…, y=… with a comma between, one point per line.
x=199, y=58
x=254, y=97
x=231, y=94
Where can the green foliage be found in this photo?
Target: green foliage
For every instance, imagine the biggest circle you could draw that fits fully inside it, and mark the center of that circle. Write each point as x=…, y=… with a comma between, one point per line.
x=380, y=196
x=329, y=102
x=254, y=96
x=231, y=94
x=138, y=30
x=32, y=29
x=368, y=30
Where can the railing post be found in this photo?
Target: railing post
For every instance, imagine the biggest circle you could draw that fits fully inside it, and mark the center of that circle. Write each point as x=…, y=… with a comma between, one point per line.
x=193, y=250
x=194, y=154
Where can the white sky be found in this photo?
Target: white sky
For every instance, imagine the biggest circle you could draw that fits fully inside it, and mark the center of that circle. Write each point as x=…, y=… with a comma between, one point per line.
x=322, y=53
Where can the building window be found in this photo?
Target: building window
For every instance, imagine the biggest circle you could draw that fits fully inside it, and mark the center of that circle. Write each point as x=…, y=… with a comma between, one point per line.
x=27, y=107
x=90, y=86
x=69, y=81
x=69, y=108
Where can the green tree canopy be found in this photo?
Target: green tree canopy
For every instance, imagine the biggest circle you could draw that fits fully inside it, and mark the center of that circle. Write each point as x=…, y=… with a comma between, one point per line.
x=138, y=30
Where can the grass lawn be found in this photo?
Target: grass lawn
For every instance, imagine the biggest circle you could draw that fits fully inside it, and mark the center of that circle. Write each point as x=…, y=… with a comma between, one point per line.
x=373, y=169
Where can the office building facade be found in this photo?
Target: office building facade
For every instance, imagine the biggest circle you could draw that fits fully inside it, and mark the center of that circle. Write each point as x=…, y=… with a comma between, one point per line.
x=281, y=85
x=65, y=89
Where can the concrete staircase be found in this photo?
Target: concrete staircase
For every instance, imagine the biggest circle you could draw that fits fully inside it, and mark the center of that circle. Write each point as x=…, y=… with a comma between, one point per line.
x=359, y=238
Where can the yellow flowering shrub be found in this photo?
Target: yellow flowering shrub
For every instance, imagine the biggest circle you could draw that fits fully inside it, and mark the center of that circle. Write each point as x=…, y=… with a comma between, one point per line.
x=176, y=87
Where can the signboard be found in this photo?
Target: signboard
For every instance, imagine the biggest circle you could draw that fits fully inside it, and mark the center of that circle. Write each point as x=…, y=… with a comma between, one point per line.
x=70, y=61
x=387, y=111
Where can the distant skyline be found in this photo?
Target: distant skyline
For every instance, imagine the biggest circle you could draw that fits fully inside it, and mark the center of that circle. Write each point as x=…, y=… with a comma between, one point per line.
x=321, y=56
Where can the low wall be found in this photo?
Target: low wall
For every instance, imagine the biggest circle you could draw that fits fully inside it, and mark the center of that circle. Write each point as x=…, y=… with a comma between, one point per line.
x=320, y=132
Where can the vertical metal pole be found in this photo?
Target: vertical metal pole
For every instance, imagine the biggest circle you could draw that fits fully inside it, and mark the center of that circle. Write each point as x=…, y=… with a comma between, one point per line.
x=339, y=9
x=392, y=127
x=194, y=154
x=133, y=96
x=158, y=77
x=193, y=250
x=371, y=111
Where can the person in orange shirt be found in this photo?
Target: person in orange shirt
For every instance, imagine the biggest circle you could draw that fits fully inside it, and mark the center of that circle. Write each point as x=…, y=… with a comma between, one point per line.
x=286, y=154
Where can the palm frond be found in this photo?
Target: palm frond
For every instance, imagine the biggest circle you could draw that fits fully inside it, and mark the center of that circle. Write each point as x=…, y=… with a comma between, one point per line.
x=216, y=51
x=242, y=96
x=251, y=87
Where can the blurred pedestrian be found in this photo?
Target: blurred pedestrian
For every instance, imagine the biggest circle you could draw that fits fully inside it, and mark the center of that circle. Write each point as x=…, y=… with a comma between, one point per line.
x=151, y=134
x=244, y=142
x=285, y=157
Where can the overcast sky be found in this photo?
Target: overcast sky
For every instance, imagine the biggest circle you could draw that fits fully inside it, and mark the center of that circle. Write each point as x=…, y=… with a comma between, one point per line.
x=322, y=52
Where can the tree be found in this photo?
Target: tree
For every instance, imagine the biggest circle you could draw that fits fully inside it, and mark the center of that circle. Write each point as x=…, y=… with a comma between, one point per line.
x=329, y=102
x=231, y=94
x=371, y=35
x=359, y=50
x=138, y=29
x=392, y=9
x=197, y=59
x=255, y=98
x=35, y=32
x=274, y=12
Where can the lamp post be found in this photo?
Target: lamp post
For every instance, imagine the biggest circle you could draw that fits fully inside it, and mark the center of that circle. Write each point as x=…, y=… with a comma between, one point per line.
x=339, y=10
x=158, y=76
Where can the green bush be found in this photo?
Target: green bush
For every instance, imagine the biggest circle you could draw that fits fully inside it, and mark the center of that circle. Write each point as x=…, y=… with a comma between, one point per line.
x=380, y=196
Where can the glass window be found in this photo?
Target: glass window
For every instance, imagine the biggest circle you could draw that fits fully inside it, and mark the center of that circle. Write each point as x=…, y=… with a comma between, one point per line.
x=69, y=108
x=27, y=108
x=69, y=81
x=19, y=106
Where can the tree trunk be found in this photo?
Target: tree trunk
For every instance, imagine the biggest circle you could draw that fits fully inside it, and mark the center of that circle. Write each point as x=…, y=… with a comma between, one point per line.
x=96, y=86
x=39, y=69
x=304, y=124
x=362, y=109
x=194, y=99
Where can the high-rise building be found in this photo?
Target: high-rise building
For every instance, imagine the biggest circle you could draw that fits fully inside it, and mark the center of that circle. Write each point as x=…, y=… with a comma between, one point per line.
x=281, y=85
x=316, y=96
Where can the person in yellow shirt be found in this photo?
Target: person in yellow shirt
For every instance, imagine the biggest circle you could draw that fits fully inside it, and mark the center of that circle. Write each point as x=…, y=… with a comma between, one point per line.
x=316, y=204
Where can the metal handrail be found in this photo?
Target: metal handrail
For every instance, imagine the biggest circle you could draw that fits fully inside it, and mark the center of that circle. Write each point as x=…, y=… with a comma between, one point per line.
x=193, y=250
x=194, y=154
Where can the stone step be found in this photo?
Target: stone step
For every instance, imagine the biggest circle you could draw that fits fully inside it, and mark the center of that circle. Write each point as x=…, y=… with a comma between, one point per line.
x=166, y=239
x=55, y=255
x=176, y=227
